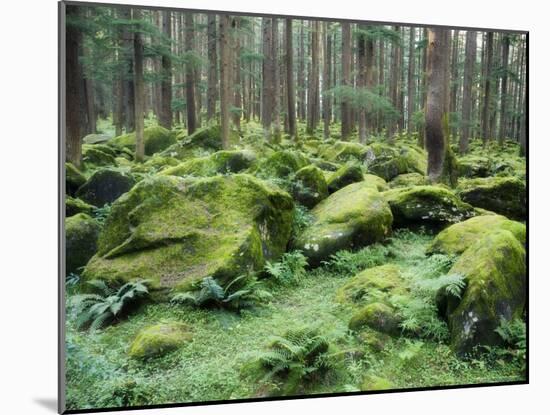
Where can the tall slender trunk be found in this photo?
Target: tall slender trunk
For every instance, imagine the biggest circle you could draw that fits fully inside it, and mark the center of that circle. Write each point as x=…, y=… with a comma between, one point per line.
x=128, y=90
x=327, y=70
x=313, y=81
x=471, y=46
x=504, y=90
x=267, y=77
x=410, y=81
x=275, y=77
x=454, y=74
x=225, y=76
x=301, y=76
x=73, y=89
x=166, y=79
x=138, y=88
x=424, y=79
x=212, y=69
x=362, y=82
x=485, y=121
x=290, y=88
x=345, y=106
x=237, y=97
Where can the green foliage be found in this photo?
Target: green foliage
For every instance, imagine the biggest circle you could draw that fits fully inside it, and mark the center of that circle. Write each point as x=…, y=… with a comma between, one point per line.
x=290, y=269
x=72, y=279
x=301, y=219
x=300, y=355
x=242, y=292
x=101, y=213
x=514, y=335
x=364, y=99
x=108, y=304
x=346, y=263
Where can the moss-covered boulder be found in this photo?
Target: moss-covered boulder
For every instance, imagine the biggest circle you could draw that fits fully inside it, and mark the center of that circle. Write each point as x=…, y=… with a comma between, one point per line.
x=221, y=162
x=372, y=283
x=408, y=180
x=344, y=151
x=473, y=166
x=309, y=186
x=96, y=155
x=427, y=205
x=376, y=182
x=75, y=205
x=156, y=139
x=158, y=340
x=73, y=178
x=458, y=237
x=354, y=216
x=96, y=138
x=282, y=164
x=389, y=161
x=105, y=186
x=494, y=269
x=209, y=137
x=504, y=195
x=378, y=316
x=174, y=230
x=376, y=383
x=81, y=234
x=347, y=174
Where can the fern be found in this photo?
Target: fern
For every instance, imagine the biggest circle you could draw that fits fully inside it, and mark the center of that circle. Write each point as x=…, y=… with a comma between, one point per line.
x=94, y=311
x=453, y=284
x=290, y=269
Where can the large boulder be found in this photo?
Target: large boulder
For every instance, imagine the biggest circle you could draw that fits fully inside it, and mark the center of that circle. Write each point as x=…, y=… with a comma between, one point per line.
x=347, y=174
x=408, y=180
x=427, y=205
x=98, y=155
x=105, y=186
x=176, y=231
x=73, y=178
x=504, y=195
x=354, y=216
x=458, y=237
x=474, y=166
x=376, y=182
x=344, y=151
x=96, y=138
x=81, y=234
x=309, y=186
x=378, y=316
x=158, y=340
x=155, y=138
x=75, y=205
x=494, y=269
x=221, y=162
x=281, y=164
x=389, y=161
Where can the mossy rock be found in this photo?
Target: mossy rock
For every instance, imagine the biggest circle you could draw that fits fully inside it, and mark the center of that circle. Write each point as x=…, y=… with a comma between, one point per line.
x=377, y=316
x=309, y=186
x=504, y=195
x=95, y=156
x=105, y=186
x=389, y=161
x=155, y=138
x=376, y=383
x=494, y=269
x=345, y=175
x=376, y=182
x=209, y=137
x=343, y=151
x=460, y=236
x=171, y=230
x=281, y=164
x=75, y=205
x=96, y=138
x=384, y=280
x=324, y=164
x=428, y=205
x=81, y=234
x=474, y=166
x=354, y=216
x=158, y=340
x=374, y=340
x=221, y=162
x=73, y=178
x=159, y=163
x=408, y=180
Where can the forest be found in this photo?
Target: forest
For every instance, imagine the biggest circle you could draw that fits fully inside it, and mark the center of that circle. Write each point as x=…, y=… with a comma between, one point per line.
x=274, y=206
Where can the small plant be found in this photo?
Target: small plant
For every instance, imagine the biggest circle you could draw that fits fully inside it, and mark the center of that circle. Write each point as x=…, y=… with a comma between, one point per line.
x=299, y=355
x=453, y=284
x=349, y=263
x=101, y=213
x=72, y=279
x=513, y=333
x=96, y=310
x=290, y=269
x=243, y=292
x=301, y=219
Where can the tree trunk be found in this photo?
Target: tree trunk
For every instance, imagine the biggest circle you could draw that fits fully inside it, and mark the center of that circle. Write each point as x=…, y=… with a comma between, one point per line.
x=225, y=77
x=290, y=88
x=212, y=93
x=345, y=107
x=435, y=140
x=313, y=81
x=410, y=81
x=190, y=75
x=362, y=83
x=237, y=98
x=275, y=78
x=471, y=46
x=327, y=111
x=422, y=134
x=485, y=121
x=301, y=76
x=267, y=77
x=370, y=77
x=503, y=88
x=454, y=74
x=166, y=82
x=394, y=80
x=73, y=89
x=128, y=90
x=138, y=88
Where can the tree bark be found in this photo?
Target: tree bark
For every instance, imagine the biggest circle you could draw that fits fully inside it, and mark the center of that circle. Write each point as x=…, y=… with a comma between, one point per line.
x=345, y=107
x=410, y=81
x=504, y=90
x=212, y=93
x=313, y=81
x=327, y=110
x=138, y=88
x=485, y=121
x=290, y=87
x=471, y=46
x=225, y=76
x=267, y=77
x=73, y=88
x=301, y=76
x=362, y=82
x=237, y=97
x=190, y=75
x=275, y=78
x=166, y=82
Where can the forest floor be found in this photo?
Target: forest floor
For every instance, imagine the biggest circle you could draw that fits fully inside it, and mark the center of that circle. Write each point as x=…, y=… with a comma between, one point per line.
x=213, y=366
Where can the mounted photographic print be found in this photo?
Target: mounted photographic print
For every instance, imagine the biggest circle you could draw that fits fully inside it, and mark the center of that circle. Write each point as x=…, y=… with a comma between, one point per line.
x=260, y=207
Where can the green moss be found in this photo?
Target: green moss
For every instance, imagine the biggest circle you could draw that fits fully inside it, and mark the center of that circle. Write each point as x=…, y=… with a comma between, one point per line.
x=96, y=138
x=376, y=182
x=105, y=186
x=474, y=166
x=309, y=186
x=460, y=236
x=156, y=139
x=390, y=161
x=381, y=280
x=81, y=234
x=430, y=205
x=157, y=340
x=375, y=383
x=170, y=229
x=345, y=175
x=343, y=151
x=494, y=268
x=377, y=316
x=354, y=216
x=282, y=164
x=221, y=162
x=96, y=155
x=74, y=206
x=408, y=180
x=504, y=195
x=73, y=178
